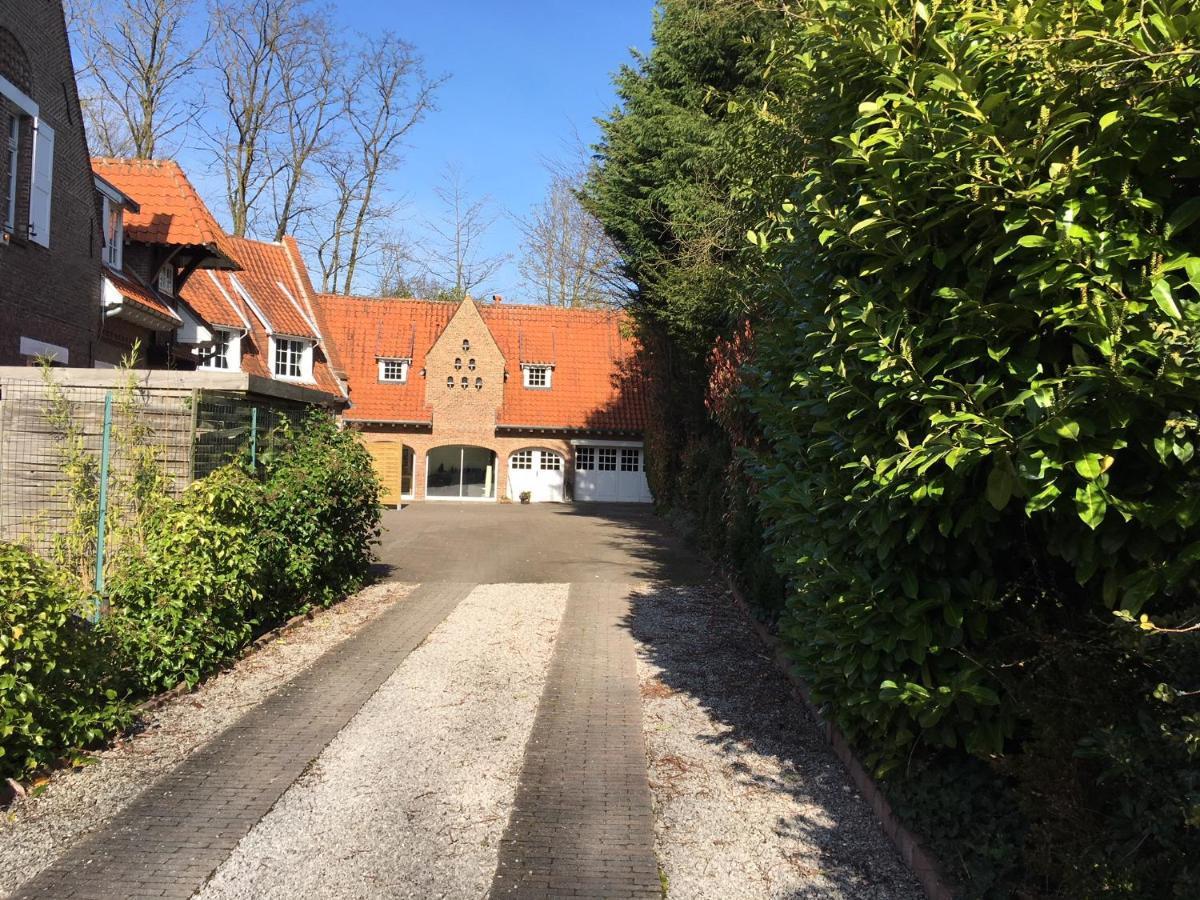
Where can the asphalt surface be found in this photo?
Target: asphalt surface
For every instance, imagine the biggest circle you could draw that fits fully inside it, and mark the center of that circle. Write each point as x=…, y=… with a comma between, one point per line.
x=547, y=543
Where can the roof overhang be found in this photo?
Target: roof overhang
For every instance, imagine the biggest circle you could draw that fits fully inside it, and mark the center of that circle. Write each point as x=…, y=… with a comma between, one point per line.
x=115, y=194
x=563, y=429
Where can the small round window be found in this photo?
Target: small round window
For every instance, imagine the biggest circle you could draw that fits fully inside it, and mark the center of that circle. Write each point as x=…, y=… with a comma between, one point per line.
x=471, y=364
x=450, y=381
x=479, y=384
x=457, y=363
x=464, y=382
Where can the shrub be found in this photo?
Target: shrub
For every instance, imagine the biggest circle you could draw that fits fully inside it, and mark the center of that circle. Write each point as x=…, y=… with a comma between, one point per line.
x=319, y=516
x=56, y=683
x=186, y=601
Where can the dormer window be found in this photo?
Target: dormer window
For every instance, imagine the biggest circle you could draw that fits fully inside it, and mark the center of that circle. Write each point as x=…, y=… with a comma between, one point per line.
x=166, y=280
x=537, y=377
x=224, y=353
x=292, y=358
x=393, y=370
x=114, y=234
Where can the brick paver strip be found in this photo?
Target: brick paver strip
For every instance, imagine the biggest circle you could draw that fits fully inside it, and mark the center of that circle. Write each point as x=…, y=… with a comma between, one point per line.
x=581, y=824
x=171, y=838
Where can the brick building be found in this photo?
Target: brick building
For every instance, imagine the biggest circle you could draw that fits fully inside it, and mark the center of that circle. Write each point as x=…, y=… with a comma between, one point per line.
x=50, y=239
x=485, y=401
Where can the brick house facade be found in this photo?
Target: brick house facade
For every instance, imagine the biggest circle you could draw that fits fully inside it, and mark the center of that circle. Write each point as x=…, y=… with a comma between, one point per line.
x=487, y=401
x=49, y=229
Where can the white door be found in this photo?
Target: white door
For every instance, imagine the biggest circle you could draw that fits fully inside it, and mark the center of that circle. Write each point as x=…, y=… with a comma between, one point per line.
x=540, y=472
x=613, y=474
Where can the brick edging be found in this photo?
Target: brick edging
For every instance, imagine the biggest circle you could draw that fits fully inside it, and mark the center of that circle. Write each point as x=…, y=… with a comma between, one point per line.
x=915, y=855
x=11, y=789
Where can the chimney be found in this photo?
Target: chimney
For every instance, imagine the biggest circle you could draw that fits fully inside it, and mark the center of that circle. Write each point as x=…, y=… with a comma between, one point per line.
x=497, y=299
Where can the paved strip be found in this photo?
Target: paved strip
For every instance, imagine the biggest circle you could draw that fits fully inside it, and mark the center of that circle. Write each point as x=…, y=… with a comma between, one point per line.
x=169, y=840
x=582, y=824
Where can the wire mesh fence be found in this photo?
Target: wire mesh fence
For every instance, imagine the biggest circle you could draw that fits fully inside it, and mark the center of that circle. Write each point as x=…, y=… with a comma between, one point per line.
x=56, y=440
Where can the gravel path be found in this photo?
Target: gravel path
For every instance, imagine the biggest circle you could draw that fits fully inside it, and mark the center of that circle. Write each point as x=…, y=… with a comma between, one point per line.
x=412, y=796
x=749, y=800
x=76, y=802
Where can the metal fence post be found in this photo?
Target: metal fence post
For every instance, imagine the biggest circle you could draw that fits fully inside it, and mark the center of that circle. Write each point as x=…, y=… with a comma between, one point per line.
x=253, y=436
x=102, y=514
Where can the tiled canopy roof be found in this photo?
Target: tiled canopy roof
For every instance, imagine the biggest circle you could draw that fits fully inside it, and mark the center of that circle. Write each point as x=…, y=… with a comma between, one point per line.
x=133, y=291
x=595, y=385
x=171, y=210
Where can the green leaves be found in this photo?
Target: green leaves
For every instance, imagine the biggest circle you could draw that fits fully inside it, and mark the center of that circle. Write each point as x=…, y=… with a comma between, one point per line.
x=1091, y=504
x=1000, y=484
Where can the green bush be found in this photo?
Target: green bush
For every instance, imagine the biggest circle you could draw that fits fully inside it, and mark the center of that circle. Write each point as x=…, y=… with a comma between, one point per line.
x=319, y=516
x=977, y=383
x=187, y=601
x=56, y=683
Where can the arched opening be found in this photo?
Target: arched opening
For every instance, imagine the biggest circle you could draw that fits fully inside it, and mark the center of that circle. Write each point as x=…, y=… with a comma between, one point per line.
x=539, y=471
x=459, y=472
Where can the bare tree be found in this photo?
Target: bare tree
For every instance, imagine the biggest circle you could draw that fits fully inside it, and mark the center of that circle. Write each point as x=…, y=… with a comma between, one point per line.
x=388, y=95
x=567, y=258
x=254, y=43
x=450, y=256
x=312, y=92
x=136, y=58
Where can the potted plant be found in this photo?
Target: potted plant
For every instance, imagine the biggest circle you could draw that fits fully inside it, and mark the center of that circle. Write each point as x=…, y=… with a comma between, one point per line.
x=524, y=496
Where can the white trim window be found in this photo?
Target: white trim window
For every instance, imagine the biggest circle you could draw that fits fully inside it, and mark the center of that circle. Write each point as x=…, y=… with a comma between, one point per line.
x=606, y=459
x=166, y=280
x=292, y=358
x=550, y=461
x=114, y=234
x=537, y=377
x=631, y=459
x=585, y=459
x=13, y=137
x=522, y=459
x=224, y=354
x=394, y=370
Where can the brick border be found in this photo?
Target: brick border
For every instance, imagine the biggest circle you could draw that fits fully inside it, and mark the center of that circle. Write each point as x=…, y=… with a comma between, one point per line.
x=916, y=856
x=12, y=790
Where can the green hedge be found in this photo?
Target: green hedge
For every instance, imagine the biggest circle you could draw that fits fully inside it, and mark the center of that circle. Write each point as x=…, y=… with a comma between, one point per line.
x=978, y=374
x=236, y=553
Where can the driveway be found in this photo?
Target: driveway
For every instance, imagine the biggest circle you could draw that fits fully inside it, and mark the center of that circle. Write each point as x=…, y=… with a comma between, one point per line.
x=539, y=701
x=548, y=543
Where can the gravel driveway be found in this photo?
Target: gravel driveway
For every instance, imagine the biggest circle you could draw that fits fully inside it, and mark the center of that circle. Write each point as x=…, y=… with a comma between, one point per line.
x=76, y=802
x=411, y=798
x=749, y=800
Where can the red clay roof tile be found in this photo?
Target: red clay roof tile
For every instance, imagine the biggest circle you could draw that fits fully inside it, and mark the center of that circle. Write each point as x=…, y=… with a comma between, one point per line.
x=171, y=210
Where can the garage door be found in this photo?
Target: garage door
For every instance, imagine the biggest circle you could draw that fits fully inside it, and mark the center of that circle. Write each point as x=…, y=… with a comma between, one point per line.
x=538, y=471
x=388, y=457
x=614, y=474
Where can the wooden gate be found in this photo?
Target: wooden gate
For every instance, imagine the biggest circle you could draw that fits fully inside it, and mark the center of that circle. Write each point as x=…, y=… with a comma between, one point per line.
x=388, y=457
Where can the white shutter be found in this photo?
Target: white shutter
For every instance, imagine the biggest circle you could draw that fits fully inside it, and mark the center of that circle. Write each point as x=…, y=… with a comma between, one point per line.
x=42, y=185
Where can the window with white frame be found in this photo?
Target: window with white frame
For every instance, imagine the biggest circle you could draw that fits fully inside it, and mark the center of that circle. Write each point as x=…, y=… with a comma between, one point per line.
x=293, y=358
x=166, y=280
x=394, y=370
x=551, y=462
x=225, y=352
x=522, y=459
x=537, y=376
x=114, y=233
x=585, y=459
x=12, y=136
x=631, y=460
x=606, y=459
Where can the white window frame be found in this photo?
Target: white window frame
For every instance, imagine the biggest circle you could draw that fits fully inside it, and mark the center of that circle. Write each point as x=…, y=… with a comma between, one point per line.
x=114, y=237
x=631, y=459
x=166, y=280
x=537, y=378
x=391, y=361
x=227, y=346
x=550, y=461
x=13, y=139
x=521, y=460
x=585, y=459
x=303, y=359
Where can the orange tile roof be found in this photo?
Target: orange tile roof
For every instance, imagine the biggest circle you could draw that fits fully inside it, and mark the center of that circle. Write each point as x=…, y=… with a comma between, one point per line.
x=596, y=384
x=171, y=210
x=268, y=293
x=138, y=294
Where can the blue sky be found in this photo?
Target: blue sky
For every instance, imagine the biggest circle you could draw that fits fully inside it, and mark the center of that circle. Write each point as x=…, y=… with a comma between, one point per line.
x=525, y=77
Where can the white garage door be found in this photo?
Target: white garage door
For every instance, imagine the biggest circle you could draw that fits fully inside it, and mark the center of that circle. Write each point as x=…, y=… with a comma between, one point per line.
x=610, y=473
x=538, y=471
